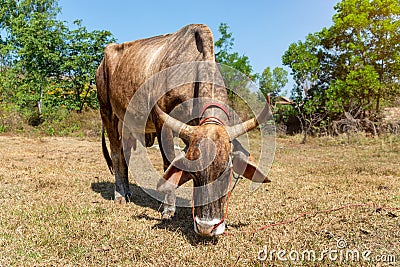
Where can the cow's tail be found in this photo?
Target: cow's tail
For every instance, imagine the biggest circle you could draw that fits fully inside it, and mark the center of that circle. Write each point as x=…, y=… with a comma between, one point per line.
x=105, y=150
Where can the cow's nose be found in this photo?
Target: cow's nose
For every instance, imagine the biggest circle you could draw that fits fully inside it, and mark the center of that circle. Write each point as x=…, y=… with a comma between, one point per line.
x=209, y=227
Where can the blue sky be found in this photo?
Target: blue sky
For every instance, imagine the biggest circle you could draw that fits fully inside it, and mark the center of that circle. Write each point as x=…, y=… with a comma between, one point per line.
x=263, y=30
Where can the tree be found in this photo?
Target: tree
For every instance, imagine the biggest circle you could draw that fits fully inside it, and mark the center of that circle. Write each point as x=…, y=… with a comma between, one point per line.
x=224, y=54
x=366, y=36
x=236, y=72
x=304, y=58
x=352, y=65
x=37, y=38
x=84, y=52
x=6, y=9
x=45, y=64
x=272, y=82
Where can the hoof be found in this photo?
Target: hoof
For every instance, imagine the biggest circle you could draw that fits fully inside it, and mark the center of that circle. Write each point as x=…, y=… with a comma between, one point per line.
x=167, y=215
x=123, y=200
x=119, y=200
x=128, y=197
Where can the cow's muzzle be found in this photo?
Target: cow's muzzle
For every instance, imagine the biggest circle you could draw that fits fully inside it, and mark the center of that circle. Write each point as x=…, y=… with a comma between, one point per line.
x=209, y=227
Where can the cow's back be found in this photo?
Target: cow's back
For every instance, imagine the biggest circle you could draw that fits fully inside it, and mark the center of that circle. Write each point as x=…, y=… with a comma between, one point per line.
x=129, y=65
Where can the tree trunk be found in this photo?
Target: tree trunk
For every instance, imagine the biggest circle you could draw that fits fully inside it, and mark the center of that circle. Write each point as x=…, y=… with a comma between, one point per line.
x=40, y=99
x=377, y=103
x=303, y=128
x=304, y=138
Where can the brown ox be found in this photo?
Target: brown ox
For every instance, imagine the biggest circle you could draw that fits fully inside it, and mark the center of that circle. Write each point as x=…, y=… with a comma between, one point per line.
x=124, y=69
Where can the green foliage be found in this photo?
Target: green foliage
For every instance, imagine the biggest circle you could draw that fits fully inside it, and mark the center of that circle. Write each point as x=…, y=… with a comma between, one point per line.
x=304, y=58
x=83, y=55
x=38, y=41
x=282, y=113
x=45, y=65
x=56, y=121
x=224, y=44
x=225, y=56
x=356, y=90
x=272, y=82
x=354, y=64
x=368, y=35
x=236, y=70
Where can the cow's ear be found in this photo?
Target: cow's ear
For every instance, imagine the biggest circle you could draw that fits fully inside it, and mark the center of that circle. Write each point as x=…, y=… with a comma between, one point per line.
x=173, y=177
x=237, y=147
x=243, y=166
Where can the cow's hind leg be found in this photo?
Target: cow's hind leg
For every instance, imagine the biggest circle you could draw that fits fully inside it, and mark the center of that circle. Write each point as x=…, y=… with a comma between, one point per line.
x=122, y=193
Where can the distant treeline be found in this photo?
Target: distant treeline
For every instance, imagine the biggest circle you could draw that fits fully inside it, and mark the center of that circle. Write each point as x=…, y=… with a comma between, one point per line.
x=45, y=63
x=349, y=70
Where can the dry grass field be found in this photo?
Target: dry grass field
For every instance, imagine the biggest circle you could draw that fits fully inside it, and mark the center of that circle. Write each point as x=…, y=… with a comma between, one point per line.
x=56, y=209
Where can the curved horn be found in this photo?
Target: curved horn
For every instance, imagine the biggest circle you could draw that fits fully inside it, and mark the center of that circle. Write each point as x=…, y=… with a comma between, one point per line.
x=240, y=129
x=185, y=131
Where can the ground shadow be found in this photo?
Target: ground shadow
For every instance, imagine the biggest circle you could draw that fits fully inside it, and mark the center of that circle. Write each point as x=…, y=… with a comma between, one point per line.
x=182, y=221
x=139, y=197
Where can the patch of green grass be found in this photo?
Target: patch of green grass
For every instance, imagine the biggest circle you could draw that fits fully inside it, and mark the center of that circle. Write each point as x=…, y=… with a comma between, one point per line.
x=3, y=127
x=53, y=122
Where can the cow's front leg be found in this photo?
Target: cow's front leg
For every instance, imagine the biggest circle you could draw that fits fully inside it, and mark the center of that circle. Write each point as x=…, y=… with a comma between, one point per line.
x=169, y=206
x=166, y=142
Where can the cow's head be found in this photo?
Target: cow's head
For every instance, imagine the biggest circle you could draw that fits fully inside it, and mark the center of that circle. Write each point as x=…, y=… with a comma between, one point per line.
x=211, y=155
